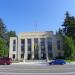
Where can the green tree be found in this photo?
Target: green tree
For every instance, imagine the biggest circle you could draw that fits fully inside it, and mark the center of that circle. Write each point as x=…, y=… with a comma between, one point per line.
x=68, y=34
x=3, y=32
x=69, y=26
x=10, y=34
x=4, y=39
x=3, y=48
x=3, y=29
x=70, y=47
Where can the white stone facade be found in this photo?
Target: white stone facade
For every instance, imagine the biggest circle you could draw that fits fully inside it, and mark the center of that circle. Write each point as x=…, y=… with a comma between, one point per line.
x=35, y=46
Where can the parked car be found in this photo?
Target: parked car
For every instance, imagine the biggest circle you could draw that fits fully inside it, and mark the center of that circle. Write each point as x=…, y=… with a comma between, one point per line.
x=5, y=60
x=57, y=62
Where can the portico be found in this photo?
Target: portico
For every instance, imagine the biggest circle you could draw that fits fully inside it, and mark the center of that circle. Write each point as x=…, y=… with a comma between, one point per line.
x=32, y=46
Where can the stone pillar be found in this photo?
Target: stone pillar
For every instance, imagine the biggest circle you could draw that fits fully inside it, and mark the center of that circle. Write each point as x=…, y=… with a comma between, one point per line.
x=39, y=45
x=25, y=54
x=19, y=49
x=32, y=48
x=46, y=49
x=16, y=49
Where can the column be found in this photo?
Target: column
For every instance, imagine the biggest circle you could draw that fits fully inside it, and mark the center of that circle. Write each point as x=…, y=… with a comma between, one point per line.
x=25, y=54
x=39, y=45
x=46, y=49
x=32, y=48
x=16, y=49
x=19, y=49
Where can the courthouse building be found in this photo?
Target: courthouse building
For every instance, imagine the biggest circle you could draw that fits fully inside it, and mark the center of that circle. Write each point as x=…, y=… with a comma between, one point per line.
x=35, y=46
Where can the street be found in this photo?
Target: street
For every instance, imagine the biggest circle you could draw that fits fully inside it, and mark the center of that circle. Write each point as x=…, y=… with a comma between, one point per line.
x=23, y=69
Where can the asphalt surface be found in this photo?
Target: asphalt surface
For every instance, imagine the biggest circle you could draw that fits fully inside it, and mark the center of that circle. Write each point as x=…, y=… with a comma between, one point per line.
x=23, y=69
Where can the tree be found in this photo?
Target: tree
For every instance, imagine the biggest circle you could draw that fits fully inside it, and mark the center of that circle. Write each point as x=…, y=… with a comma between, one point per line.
x=69, y=26
x=2, y=29
x=3, y=48
x=59, y=32
x=10, y=34
x=3, y=32
x=4, y=39
x=68, y=35
x=70, y=47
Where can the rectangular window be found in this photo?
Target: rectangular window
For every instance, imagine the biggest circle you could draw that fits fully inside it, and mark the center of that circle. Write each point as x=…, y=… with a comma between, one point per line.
x=14, y=42
x=36, y=48
x=49, y=46
x=29, y=48
x=29, y=44
x=13, y=56
x=59, y=54
x=22, y=45
x=14, y=45
x=58, y=44
x=43, y=53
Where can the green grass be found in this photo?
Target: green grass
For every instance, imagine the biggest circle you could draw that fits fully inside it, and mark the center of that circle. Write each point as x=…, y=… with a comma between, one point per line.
x=70, y=60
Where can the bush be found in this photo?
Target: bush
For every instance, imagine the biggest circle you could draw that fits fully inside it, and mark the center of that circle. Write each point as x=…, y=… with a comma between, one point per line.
x=60, y=57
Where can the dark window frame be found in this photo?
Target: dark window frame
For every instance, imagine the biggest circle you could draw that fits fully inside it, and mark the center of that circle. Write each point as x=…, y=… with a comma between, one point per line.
x=14, y=45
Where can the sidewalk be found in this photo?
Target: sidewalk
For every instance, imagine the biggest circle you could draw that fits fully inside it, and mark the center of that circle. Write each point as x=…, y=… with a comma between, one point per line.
x=33, y=63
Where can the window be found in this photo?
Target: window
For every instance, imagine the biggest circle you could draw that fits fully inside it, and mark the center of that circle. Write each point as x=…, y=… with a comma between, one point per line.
x=14, y=42
x=58, y=44
x=13, y=56
x=29, y=48
x=22, y=45
x=43, y=53
x=59, y=54
x=36, y=48
x=14, y=48
x=14, y=45
x=49, y=46
x=29, y=44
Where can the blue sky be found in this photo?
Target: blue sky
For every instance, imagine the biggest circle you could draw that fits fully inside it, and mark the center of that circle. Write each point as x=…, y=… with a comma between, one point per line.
x=35, y=15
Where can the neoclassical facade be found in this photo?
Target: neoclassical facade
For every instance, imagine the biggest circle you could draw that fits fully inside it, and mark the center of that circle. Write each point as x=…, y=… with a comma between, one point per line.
x=35, y=46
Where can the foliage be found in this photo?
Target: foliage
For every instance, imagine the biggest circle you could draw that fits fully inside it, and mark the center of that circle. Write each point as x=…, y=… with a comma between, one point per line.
x=10, y=34
x=68, y=34
x=2, y=29
x=70, y=60
x=4, y=39
x=3, y=48
x=70, y=47
x=69, y=26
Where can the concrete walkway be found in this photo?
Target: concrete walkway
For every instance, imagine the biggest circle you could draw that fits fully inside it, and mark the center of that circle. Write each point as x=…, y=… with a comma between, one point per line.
x=34, y=63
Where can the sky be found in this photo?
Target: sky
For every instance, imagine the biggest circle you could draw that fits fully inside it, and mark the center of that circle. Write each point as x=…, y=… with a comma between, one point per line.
x=35, y=15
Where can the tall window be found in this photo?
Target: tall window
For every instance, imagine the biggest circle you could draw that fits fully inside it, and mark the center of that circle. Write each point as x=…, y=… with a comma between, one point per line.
x=49, y=46
x=22, y=45
x=36, y=48
x=29, y=48
x=22, y=48
x=58, y=45
x=43, y=53
x=14, y=45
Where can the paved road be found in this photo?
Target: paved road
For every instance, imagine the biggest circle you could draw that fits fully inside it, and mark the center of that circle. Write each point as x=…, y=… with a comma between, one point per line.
x=37, y=69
